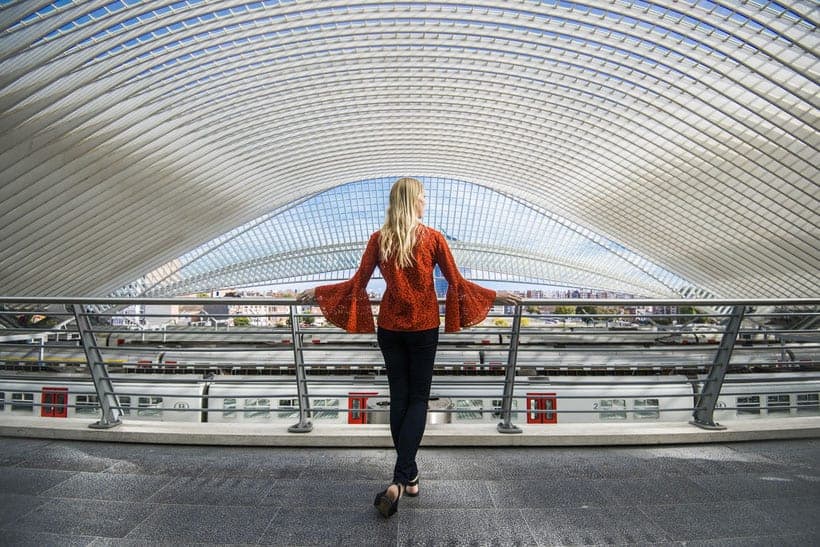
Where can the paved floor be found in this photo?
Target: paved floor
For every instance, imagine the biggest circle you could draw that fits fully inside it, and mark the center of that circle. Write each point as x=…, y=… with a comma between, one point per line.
x=92, y=493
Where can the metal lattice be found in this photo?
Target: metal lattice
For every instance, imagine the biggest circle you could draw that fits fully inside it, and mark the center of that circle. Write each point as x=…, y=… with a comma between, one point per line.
x=133, y=133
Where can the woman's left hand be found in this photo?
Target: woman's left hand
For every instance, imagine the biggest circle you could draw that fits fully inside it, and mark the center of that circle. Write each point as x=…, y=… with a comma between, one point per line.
x=507, y=298
x=307, y=296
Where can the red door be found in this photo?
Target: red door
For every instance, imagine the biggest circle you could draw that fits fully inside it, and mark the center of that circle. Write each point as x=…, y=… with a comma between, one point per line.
x=541, y=408
x=357, y=406
x=54, y=401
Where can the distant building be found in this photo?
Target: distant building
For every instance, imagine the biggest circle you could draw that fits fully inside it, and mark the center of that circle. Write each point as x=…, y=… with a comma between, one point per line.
x=189, y=313
x=261, y=315
x=440, y=283
x=158, y=315
x=128, y=316
x=215, y=314
x=147, y=316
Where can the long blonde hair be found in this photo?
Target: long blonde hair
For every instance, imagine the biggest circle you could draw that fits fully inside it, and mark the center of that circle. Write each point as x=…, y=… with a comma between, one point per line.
x=398, y=234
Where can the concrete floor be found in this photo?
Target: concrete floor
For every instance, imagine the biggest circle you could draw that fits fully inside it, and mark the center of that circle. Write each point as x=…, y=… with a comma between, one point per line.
x=56, y=492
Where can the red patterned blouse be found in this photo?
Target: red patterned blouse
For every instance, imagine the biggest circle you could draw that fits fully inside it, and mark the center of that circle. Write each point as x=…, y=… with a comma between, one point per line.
x=409, y=303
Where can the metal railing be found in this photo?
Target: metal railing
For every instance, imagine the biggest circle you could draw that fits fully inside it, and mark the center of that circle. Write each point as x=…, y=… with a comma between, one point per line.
x=254, y=343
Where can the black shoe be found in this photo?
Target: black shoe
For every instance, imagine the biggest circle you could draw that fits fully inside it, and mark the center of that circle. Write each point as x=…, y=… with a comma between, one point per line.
x=385, y=505
x=414, y=482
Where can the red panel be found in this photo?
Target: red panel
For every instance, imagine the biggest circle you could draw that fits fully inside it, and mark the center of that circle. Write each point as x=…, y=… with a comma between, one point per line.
x=357, y=406
x=542, y=408
x=54, y=401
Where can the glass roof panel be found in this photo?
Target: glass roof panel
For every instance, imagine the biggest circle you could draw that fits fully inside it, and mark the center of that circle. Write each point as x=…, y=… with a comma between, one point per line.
x=497, y=235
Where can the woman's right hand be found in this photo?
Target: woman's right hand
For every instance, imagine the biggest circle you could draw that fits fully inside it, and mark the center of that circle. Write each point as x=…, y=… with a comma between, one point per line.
x=308, y=296
x=507, y=298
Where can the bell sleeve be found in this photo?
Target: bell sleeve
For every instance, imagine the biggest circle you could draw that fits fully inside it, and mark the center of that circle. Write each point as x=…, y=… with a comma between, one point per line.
x=346, y=304
x=467, y=303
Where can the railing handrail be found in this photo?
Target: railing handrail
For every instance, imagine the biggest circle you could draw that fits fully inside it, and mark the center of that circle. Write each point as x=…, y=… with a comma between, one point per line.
x=706, y=389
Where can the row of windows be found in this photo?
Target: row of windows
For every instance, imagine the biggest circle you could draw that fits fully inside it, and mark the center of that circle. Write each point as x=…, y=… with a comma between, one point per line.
x=23, y=403
x=286, y=409
x=805, y=403
x=539, y=409
x=20, y=402
x=473, y=409
x=146, y=406
x=468, y=409
x=616, y=409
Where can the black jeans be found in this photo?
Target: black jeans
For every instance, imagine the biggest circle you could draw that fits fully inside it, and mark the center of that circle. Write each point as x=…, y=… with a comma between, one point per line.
x=408, y=356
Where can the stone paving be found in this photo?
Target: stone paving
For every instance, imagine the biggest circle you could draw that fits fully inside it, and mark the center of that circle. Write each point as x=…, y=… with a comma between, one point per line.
x=95, y=493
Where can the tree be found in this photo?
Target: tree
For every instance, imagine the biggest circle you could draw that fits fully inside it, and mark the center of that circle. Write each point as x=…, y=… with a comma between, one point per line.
x=690, y=310
x=587, y=313
x=241, y=321
x=609, y=314
x=565, y=310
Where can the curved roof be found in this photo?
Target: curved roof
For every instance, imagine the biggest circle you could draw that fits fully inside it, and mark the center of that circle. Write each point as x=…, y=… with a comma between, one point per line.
x=684, y=131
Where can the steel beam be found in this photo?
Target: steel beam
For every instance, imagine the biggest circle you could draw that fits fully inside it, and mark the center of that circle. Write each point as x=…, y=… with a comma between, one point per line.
x=109, y=403
x=304, y=425
x=709, y=393
x=506, y=426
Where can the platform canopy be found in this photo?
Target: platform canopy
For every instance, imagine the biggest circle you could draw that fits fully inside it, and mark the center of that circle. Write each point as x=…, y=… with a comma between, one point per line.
x=680, y=134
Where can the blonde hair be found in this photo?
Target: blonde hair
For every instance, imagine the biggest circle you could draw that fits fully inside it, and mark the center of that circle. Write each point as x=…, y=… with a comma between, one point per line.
x=398, y=234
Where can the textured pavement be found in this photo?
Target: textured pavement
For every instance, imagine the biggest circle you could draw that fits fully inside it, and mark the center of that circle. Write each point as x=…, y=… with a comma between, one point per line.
x=92, y=493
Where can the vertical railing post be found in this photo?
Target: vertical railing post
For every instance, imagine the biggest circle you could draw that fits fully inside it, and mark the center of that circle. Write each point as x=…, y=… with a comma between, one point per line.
x=109, y=404
x=706, y=400
x=506, y=426
x=304, y=425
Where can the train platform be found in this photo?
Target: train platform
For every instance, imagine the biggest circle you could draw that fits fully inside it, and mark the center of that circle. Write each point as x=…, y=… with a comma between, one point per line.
x=326, y=434
x=68, y=492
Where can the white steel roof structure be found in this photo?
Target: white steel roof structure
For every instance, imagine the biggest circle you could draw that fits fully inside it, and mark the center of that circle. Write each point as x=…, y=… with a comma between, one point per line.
x=685, y=131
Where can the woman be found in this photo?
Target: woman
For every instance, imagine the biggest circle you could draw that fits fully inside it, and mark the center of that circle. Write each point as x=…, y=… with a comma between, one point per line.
x=406, y=252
